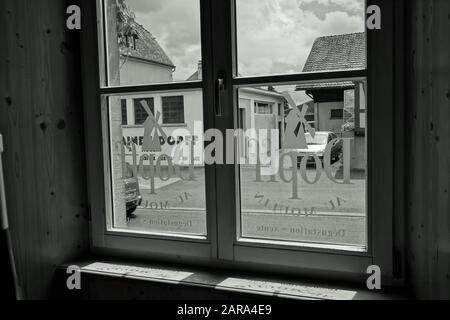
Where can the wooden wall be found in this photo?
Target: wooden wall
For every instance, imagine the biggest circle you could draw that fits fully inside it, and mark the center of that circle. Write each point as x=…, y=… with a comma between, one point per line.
x=41, y=119
x=428, y=156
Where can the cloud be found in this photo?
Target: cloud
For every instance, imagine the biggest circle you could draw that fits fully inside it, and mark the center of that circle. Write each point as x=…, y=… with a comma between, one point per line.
x=354, y=6
x=274, y=36
x=145, y=6
x=176, y=26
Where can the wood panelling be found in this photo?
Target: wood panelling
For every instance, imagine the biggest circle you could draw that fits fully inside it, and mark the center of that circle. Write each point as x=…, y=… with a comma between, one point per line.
x=428, y=156
x=41, y=119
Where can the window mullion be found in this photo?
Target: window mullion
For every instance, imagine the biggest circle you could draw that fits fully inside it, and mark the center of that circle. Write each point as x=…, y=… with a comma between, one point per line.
x=222, y=14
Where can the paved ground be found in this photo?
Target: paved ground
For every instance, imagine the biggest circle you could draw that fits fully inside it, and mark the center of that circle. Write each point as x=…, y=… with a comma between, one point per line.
x=266, y=196
x=338, y=211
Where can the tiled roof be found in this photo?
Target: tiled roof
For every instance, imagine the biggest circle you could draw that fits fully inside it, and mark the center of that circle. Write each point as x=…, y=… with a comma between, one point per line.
x=340, y=52
x=147, y=48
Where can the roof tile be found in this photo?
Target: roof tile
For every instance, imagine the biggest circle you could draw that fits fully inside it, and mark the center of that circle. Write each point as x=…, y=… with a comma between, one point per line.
x=339, y=52
x=147, y=48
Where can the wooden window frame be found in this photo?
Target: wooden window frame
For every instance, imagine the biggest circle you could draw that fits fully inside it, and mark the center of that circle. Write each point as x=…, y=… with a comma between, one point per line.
x=224, y=249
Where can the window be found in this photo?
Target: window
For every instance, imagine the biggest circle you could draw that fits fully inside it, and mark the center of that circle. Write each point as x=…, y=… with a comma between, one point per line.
x=131, y=42
x=309, y=117
x=282, y=200
x=124, y=112
x=263, y=108
x=337, y=114
x=173, y=110
x=140, y=114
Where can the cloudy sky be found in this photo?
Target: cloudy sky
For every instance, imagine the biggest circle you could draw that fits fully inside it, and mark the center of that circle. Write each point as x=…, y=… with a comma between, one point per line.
x=274, y=36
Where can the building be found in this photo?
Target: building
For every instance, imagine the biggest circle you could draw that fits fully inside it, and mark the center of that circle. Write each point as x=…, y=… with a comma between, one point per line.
x=339, y=107
x=143, y=60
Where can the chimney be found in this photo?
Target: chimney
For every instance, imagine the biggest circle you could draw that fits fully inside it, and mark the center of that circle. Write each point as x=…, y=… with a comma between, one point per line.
x=200, y=70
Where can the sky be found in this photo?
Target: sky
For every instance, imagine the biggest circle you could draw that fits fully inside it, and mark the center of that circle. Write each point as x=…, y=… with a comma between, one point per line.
x=274, y=36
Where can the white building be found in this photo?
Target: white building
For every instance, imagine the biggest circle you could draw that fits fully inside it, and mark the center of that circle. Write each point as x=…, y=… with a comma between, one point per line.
x=144, y=61
x=339, y=107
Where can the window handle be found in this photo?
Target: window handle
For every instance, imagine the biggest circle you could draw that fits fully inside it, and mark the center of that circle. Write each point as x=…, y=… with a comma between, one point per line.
x=220, y=88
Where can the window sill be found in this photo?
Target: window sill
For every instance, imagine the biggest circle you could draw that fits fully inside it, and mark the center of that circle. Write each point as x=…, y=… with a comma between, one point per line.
x=174, y=125
x=254, y=286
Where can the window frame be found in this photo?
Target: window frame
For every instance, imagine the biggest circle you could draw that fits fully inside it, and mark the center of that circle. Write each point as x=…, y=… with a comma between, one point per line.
x=164, y=247
x=270, y=106
x=222, y=248
x=320, y=260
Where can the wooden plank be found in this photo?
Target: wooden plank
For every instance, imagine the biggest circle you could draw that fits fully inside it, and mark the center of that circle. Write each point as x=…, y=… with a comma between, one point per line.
x=441, y=107
x=41, y=119
x=428, y=149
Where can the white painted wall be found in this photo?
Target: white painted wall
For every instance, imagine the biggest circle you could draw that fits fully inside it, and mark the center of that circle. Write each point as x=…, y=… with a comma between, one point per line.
x=135, y=72
x=323, y=118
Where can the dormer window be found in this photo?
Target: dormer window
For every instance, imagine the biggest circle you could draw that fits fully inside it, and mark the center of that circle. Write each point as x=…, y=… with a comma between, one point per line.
x=131, y=41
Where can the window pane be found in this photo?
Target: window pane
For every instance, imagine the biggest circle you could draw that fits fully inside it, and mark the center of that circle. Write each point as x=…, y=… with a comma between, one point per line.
x=153, y=41
x=294, y=36
x=173, y=110
x=157, y=174
x=300, y=184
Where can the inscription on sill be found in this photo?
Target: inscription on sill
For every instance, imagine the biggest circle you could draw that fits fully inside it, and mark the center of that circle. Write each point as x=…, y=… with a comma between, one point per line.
x=286, y=289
